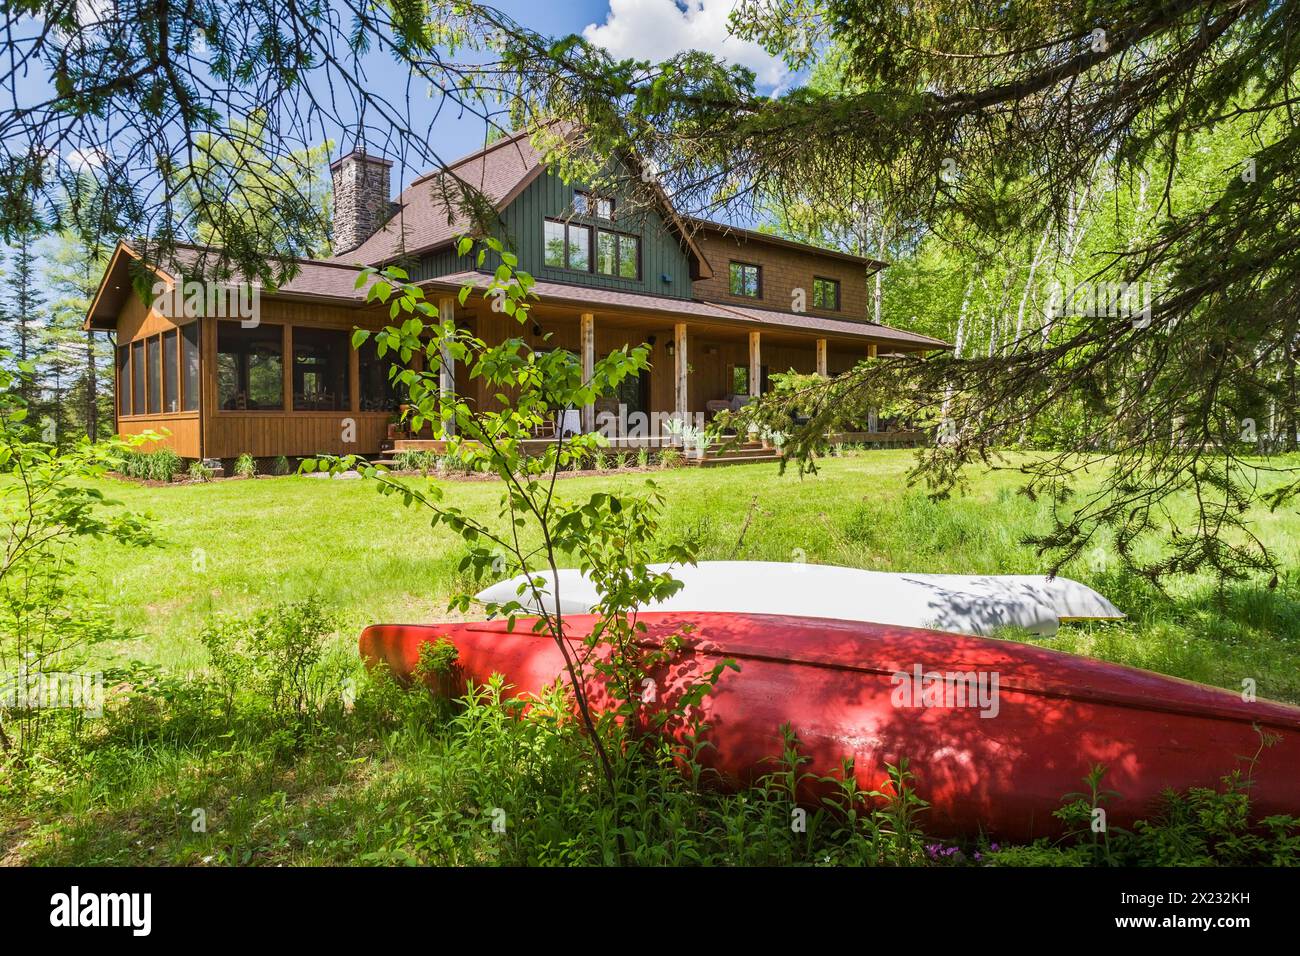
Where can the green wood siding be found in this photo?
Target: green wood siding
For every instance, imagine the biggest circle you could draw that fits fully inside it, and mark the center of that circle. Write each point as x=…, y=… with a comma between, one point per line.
x=548, y=197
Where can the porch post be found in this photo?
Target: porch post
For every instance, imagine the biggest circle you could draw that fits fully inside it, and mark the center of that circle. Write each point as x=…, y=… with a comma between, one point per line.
x=447, y=368
x=587, y=336
x=354, y=380
x=755, y=365
x=872, y=419
x=821, y=358
x=286, y=365
x=681, y=397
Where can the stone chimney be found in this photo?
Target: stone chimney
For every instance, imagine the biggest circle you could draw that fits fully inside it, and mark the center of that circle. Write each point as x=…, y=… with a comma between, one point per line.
x=361, y=205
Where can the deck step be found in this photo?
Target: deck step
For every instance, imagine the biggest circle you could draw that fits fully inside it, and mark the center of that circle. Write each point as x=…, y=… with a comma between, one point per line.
x=741, y=452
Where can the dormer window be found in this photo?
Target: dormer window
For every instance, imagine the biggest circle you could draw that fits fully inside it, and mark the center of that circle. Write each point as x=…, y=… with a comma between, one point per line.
x=593, y=206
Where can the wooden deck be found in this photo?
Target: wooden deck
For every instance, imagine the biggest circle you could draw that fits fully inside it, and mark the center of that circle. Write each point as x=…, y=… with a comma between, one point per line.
x=719, y=454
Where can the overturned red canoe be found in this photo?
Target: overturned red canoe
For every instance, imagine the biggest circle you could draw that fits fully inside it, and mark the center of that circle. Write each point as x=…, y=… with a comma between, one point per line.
x=996, y=732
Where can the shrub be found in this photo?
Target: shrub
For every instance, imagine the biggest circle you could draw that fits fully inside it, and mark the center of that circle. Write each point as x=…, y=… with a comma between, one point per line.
x=281, y=466
x=199, y=471
x=643, y=458
x=600, y=461
x=276, y=657
x=161, y=465
x=246, y=466
x=621, y=460
x=669, y=457
x=411, y=459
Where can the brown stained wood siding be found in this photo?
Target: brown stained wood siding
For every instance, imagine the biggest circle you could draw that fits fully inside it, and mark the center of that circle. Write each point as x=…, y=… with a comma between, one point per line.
x=784, y=270
x=213, y=433
x=228, y=434
x=183, y=428
x=268, y=434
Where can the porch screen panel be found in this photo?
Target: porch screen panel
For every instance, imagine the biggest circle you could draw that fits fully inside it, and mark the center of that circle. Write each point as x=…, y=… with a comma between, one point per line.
x=250, y=368
x=124, y=380
x=171, y=368
x=190, y=367
x=137, y=378
x=153, y=373
x=320, y=370
x=377, y=392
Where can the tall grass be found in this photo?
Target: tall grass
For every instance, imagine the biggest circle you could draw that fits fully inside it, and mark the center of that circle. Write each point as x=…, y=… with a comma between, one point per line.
x=161, y=465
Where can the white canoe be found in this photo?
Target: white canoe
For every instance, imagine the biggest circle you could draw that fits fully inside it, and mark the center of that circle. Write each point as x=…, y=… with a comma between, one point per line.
x=962, y=604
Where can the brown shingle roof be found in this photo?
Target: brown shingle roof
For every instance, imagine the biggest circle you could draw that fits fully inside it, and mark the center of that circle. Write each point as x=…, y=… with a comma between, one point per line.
x=424, y=220
x=314, y=280
x=702, y=311
x=834, y=326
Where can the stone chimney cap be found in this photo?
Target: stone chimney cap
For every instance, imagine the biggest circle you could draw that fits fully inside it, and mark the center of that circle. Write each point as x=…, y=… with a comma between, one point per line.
x=362, y=155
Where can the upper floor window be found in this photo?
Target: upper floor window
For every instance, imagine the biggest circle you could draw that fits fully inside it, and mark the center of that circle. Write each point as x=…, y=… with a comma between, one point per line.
x=826, y=293
x=589, y=204
x=568, y=245
x=746, y=280
x=618, y=254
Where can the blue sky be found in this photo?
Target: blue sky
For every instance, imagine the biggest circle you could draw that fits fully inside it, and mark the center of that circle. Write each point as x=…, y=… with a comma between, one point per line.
x=644, y=29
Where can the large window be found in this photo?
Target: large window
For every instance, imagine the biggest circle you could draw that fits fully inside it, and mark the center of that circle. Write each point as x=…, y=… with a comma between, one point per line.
x=826, y=293
x=568, y=246
x=124, y=380
x=377, y=392
x=320, y=370
x=190, y=366
x=137, y=378
x=171, y=371
x=618, y=254
x=250, y=367
x=746, y=280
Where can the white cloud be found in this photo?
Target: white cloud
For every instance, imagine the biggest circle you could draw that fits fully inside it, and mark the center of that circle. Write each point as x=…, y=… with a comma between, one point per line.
x=83, y=160
x=658, y=29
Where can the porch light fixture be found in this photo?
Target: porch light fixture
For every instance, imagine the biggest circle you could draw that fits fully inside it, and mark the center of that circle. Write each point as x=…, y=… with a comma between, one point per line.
x=671, y=349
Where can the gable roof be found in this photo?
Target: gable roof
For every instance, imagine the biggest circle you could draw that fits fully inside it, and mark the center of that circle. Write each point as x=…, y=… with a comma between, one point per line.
x=753, y=235
x=424, y=221
x=315, y=280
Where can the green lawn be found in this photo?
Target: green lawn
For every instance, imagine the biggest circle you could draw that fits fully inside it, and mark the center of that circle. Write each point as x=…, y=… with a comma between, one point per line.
x=400, y=779
x=283, y=538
